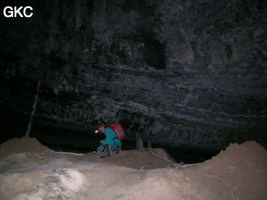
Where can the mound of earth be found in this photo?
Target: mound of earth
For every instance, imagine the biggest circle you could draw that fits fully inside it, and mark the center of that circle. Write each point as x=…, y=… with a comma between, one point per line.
x=24, y=144
x=29, y=170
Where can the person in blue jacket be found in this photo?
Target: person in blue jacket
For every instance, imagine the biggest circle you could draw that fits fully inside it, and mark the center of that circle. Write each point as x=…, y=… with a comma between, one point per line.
x=111, y=142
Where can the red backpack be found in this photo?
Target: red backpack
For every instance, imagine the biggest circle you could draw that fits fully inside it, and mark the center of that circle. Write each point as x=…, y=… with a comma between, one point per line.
x=116, y=127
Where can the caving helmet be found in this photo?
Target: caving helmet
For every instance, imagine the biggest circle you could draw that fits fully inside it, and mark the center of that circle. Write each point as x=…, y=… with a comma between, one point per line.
x=100, y=128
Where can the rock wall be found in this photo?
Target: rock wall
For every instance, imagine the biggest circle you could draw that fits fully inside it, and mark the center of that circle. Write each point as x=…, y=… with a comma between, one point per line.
x=177, y=72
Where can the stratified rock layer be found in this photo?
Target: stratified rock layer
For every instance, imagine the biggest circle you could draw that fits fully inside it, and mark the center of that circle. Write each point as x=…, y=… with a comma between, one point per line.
x=178, y=72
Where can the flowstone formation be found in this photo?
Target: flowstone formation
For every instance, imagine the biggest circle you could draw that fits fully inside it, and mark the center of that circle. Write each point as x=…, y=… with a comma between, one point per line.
x=176, y=72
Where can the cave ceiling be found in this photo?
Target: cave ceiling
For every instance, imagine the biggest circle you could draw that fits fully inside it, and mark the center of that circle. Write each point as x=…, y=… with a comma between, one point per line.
x=191, y=72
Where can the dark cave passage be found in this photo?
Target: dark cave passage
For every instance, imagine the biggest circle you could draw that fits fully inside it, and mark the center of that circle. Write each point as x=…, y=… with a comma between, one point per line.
x=189, y=75
x=80, y=140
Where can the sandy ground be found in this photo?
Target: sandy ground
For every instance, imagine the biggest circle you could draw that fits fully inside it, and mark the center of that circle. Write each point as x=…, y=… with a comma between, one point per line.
x=31, y=171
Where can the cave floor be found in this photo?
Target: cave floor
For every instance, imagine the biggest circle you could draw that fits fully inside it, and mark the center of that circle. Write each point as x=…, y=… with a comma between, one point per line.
x=30, y=170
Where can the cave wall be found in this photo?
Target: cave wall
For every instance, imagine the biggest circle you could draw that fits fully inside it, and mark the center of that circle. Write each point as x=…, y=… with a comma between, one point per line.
x=191, y=72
